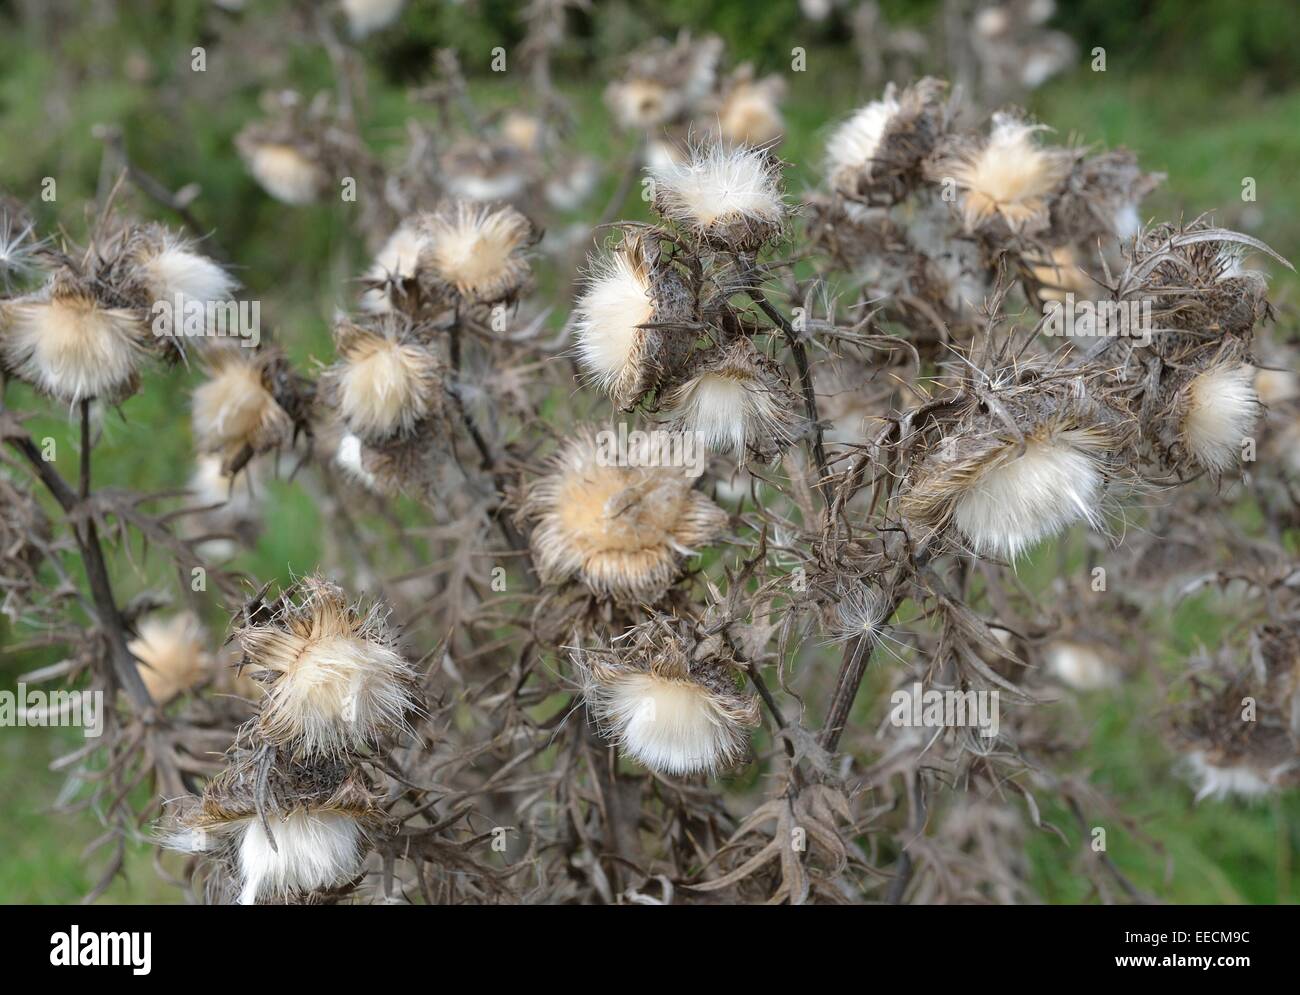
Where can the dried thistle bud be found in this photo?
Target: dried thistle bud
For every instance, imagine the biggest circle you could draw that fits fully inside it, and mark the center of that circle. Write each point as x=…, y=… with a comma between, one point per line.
x=386, y=381
x=1218, y=409
x=318, y=814
x=333, y=676
x=669, y=703
x=877, y=154
x=728, y=198
x=1101, y=199
x=68, y=345
x=1009, y=176
x=1082, y=666
x=475, y=253
x=1004, y=491
x=622, y=530
x=235, y=412
x=173, y=655
x=626, y=290
x=738, y=400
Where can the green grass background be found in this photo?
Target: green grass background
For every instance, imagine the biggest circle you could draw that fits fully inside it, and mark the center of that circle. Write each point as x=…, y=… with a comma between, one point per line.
x=1206, y=132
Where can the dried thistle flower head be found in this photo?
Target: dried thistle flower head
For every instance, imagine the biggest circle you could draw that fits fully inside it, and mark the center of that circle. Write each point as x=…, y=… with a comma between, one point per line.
x=751, y=109
x=476, y=253
x=173, y=655
x=623, y=531
x=169, y=268
x=853, y=146
x=729, y=198
x=1220, y=409
x=669, y=704
x=318, y=815
x=737, y=400
x=1004, y=493
x=236, y=410
x=664, y=82
x=67, y=344
x=385, y=381
x=627, y=289
x=368, y=16
x=333, y=676
x=484, y=170
x=1009, y=176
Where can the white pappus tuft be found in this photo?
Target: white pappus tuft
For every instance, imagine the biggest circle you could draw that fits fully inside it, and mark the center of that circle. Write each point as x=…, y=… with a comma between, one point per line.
x=313, y=851
x=1222, y=408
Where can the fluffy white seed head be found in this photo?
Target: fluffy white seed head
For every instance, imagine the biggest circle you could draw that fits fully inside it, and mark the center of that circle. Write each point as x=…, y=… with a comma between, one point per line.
x=367, y=16
x=333, y=683
x=177, y=270
x=1222, y=783
x=1222, y=408
x=234, y=409
x=1008, y=509
x=478, y=250
x=314, y=850
x=348, y=457
x=384, y=386
x=172, y=655
x=614, y=304
x=285, y=173
x=750, y=115
x=671, y=726
x=72, y=348
x=1080, y=666
x=720, y=188
x=623, y=531
x=1010, y=176
x=854, y=144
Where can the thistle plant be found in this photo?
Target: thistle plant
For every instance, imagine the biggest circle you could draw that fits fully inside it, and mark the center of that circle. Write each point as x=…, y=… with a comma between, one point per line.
x=642, y=572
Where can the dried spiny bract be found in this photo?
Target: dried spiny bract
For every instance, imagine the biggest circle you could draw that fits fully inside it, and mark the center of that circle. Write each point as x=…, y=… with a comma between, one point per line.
x=333, y=676
x=1009, y=176
x=69, y=345
x=737, y=400
x=621, y=530
x=24, y=538
x=877, y=154
x=386, y=381
x=628, y=289
x=475, y=253
x=728, y=198
x=173, y=655
x=1004, y=491
x=1100, y=199
x=236, y=413
x=669, y=702
x=319, y=815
